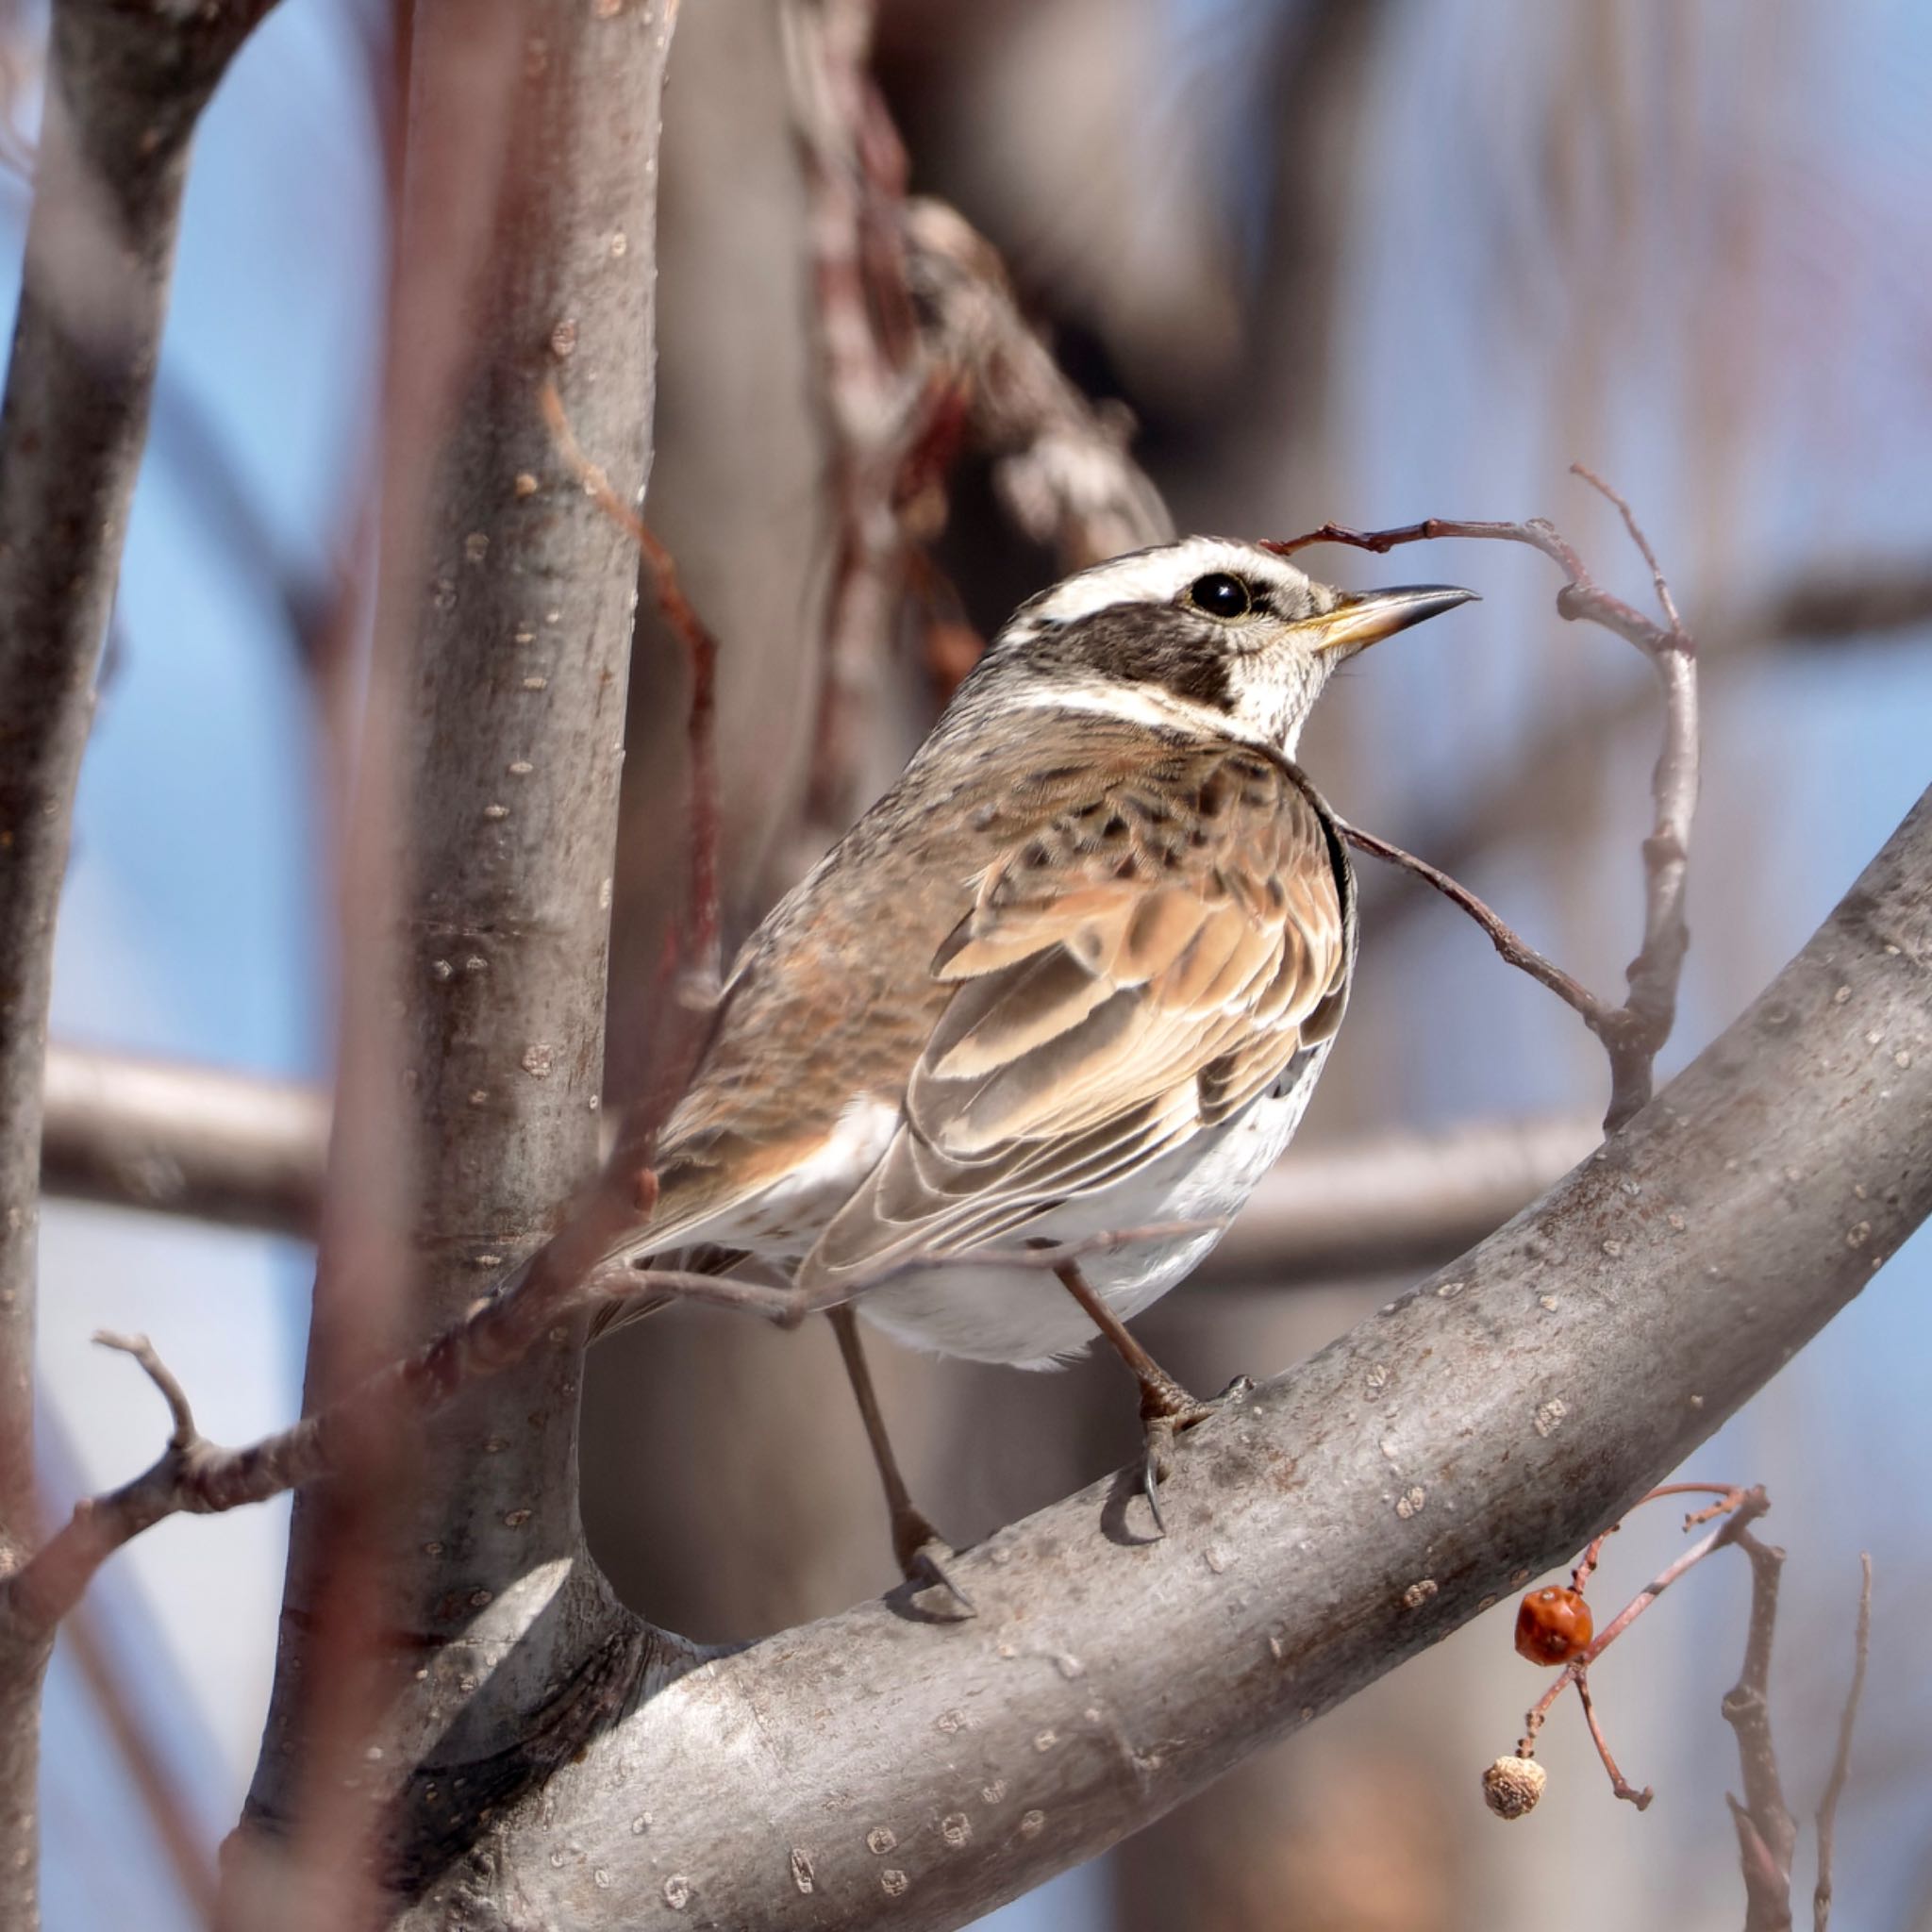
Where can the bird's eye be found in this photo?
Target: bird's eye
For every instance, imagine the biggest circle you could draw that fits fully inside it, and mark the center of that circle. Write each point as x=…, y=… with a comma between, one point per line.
x=1220, y=595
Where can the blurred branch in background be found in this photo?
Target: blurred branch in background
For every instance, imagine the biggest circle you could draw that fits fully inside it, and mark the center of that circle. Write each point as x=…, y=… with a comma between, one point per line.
x=1884, y=600
x=230, y=1148
x=923, y=351
x=124, y=91
x=179, y=1140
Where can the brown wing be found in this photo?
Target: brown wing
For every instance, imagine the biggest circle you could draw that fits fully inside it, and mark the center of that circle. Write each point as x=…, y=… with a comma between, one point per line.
x=1144, y=964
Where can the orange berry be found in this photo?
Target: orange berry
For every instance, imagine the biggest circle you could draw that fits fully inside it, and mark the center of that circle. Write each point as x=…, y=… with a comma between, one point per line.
x=1552, y=1626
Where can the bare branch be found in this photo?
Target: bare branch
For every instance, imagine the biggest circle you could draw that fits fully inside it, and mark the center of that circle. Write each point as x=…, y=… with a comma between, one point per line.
x=1514, y=1404
x=1595, y=1012
x=1842, y=1761
x=125, y=90
x=1620, y=1786
x=701, y=655
x=235, y=1148
x=503, y=627
x=1880, y=597
x=1767, y=1833
x=1510, y=1494
x=181, y=1140
x=1635, y=1033
x=1740, y=1508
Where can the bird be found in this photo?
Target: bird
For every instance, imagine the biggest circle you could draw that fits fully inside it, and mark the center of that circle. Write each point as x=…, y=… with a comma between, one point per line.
x=1064, y=992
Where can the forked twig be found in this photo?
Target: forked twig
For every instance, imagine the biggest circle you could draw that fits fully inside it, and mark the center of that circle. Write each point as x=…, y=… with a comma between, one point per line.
x=1741, y=1507
x=574, y=1272
x=1634, y=1033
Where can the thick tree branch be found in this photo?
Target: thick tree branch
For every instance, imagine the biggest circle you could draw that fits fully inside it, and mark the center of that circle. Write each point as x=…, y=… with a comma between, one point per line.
x=1330, y=1524
x=880, y=1770
x=504, y=619
x=125, y=90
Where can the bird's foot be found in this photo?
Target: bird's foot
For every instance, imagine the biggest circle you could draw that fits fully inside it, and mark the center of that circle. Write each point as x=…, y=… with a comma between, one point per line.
x=923, y=1555
x=1166, y=1410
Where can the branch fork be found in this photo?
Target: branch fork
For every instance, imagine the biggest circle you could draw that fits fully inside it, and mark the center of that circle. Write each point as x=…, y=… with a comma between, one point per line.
x=1634, y=1033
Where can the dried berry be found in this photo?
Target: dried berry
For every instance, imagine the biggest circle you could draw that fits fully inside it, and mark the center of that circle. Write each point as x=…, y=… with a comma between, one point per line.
x=1552, y=1626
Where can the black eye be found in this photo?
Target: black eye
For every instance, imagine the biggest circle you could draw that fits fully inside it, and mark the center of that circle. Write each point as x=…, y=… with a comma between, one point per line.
x=1220, y=595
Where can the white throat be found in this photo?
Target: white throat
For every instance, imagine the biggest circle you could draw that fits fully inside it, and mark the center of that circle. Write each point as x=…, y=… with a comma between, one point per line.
x=1147, y=704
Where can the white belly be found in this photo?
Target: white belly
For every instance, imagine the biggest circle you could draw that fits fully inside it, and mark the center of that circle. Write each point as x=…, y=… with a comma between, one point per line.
x=1024, y=1316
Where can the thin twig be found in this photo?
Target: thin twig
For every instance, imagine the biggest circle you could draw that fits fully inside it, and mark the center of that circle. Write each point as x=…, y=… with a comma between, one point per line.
x=1729, y=1496
x=1596, y=1012
x=574, y=1272
x=1634, y=1033
x=1842, y=1762
x=1743, y=1506
x=703, y=967
x=1620, y=1784
x=1767, y=1833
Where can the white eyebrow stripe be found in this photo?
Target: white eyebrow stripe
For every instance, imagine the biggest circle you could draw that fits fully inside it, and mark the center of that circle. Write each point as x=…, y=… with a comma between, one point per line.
x=1156, y=576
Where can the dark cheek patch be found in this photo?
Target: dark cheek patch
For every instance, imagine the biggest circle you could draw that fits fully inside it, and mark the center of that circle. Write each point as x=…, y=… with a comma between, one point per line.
x=1147, y=644
x=1203, y=675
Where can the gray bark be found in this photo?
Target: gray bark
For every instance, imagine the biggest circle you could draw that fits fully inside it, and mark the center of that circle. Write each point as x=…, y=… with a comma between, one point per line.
x=879, y=1768
x=125, y=90
x=481, y=1644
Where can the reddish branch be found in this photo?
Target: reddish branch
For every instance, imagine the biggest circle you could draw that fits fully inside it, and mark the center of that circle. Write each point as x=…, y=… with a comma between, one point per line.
x=573, y=1272
x=925, y=352
x=1740, y=1508
x=1634, y=1033
x=1767, y=1833
x=701, y=654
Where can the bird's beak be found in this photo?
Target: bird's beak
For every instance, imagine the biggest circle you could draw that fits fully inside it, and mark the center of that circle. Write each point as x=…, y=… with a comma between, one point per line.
x=1360, y=618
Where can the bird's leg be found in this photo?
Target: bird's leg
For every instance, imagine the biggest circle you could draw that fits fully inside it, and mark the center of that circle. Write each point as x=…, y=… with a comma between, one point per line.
x=1166, y=1407
x=916, y=1544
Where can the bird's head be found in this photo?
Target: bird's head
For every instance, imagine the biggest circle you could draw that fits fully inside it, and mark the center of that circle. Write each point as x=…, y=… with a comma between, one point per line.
x=1211, y=633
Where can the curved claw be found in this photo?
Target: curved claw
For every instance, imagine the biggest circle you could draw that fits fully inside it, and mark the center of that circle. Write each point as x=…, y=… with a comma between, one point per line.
x=922, y=1553
x=1164, y=1413
x=924, y=1570
x=1152, y=1474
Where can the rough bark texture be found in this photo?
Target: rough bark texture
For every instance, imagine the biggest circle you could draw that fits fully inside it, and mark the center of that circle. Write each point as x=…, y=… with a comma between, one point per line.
x=510, y=617
x=879, y=1768
x=125, y=90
